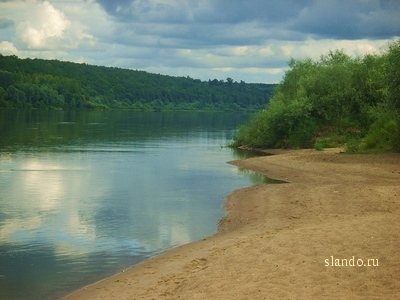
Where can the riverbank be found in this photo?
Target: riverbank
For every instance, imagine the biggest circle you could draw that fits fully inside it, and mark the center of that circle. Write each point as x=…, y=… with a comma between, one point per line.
x=287, y=241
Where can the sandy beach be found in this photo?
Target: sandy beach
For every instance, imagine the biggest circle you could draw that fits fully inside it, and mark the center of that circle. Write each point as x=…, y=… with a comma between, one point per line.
x=331, y=232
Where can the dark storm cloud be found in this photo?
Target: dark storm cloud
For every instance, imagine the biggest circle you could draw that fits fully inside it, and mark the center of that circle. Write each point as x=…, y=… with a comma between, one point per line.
x=350, y=19
x=212, y=21
x=187, y=24
x=206, y=11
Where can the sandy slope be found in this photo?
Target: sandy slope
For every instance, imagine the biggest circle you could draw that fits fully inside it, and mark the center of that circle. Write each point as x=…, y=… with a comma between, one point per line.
x=279, y=241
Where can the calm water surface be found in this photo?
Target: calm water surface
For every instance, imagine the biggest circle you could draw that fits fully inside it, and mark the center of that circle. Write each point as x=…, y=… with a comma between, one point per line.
x=87, y=194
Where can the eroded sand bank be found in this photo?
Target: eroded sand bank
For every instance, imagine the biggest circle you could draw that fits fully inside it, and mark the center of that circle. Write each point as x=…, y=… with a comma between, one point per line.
x=287, y=241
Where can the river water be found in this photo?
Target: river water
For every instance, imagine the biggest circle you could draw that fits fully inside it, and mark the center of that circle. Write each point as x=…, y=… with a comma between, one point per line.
x=84, y=195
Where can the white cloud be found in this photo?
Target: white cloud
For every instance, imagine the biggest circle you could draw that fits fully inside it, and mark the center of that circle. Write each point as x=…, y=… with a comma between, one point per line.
x=8, y=48
x=315, y=48
x=44, y=28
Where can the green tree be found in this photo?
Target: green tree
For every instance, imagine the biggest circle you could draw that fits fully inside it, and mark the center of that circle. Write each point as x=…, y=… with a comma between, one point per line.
x=354, y=97
x=393, y=74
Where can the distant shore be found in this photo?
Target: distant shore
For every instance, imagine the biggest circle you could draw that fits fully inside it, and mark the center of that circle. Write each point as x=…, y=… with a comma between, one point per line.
x=287, y=241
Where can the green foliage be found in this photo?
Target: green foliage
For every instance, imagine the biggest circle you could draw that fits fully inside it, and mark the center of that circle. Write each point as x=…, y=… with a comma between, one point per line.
x=302, y=135
x=278, y=126
x=320, y=145
x=383, y=135
x=37, y=83
x=353, y=146
x=393, y=74
x=355, y=97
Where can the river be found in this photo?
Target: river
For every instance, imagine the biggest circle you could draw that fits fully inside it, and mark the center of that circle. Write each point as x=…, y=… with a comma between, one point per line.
x=86, y=194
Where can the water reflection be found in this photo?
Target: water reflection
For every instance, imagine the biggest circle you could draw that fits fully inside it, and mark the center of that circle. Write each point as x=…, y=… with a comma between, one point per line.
x=247, y=153
x=258, y=178
x=83, y=195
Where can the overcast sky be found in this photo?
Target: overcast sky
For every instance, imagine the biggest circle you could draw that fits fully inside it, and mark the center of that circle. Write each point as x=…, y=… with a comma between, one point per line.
x=250, y=40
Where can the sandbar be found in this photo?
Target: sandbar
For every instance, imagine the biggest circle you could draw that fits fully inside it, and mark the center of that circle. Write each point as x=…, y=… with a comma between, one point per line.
x=331, y=232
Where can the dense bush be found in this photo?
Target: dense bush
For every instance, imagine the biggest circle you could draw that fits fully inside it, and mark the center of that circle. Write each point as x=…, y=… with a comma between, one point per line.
x=357, y=99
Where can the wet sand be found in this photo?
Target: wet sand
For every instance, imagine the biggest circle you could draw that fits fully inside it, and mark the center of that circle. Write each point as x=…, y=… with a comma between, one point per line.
x=287, y=241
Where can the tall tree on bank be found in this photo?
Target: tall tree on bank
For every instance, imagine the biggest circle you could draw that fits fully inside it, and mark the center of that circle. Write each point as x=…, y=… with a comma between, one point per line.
x=356, y=99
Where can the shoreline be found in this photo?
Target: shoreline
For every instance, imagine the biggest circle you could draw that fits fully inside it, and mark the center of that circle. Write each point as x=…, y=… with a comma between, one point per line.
x=275, y=239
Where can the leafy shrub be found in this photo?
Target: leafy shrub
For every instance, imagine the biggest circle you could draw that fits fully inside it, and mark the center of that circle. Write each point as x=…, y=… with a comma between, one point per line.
x=354, y=97
x=322, y=144
x=353, y=146
x=302, y=134
x=384, y=134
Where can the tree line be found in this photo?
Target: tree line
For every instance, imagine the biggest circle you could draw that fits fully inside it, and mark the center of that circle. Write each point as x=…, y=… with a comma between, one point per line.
x=334, y=100
x=53, y=84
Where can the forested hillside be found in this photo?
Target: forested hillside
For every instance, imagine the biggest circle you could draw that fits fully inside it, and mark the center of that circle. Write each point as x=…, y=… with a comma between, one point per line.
x=336, y=100
x=52, y=84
